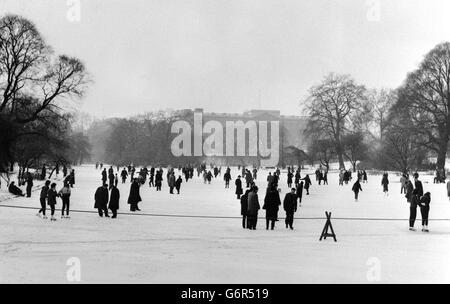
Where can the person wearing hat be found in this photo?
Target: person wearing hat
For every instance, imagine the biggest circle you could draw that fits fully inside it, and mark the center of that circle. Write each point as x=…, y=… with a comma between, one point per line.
x=290, y=206
x=253, y=208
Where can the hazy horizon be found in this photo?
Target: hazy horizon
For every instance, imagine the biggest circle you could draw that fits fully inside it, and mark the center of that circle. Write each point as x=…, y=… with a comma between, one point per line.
x=232, y=56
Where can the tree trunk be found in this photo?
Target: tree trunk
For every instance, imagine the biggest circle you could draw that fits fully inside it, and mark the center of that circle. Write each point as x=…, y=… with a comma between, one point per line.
x=340, y=155
x=442, y=155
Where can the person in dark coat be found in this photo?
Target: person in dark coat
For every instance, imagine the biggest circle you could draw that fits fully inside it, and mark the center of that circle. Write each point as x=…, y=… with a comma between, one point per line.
x=13, y=189
x=64, y=170
x=307, y=184
x=124, y=175
x=244, y=208
x=356, y=188
x=178, y=183
x=253, y=208
x=158, y=180
x=290, y=206
x=29, y=184
x=111, y=179
x=72, y=178
x=418, y=185
x=425, y=210
x=414, y=202
x=238, y=184
x=289, y=179
x=300, y=193
x=134, y=197
x=171, y=180
x=385, y=183
x=114, y=201
x=227, y=178
x=104, y=176
x=271, y=205
x=101, y=200
x=52, y=194
x=43, y=199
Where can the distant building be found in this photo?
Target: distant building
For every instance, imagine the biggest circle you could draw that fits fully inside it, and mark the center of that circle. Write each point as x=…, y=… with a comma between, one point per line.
x=292, y=141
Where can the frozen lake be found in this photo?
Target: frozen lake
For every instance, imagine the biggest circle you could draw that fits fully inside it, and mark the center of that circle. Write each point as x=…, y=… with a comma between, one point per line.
x=212, y=247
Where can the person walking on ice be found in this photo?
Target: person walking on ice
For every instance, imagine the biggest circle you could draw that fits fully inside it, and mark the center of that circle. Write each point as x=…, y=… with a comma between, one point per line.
x=114, y=201
x=43, y=199
x=425, y=210
x=64, y=193
x=385, y=183
x=356, y=188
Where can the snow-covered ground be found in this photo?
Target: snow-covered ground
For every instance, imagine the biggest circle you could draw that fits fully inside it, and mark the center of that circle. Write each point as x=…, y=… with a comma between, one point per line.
x=150, y=248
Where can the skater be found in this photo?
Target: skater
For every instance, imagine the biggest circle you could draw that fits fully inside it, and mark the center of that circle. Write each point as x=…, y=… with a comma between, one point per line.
x=244, y=209
x=414, y=200
x=425, y=210
x=385, y=183
x=325, y=178
x=227, y=178
x=116, y=180
x=64, y=171
x=289, y=179
x=43, y=199
x=171, y=182
x=403, y=181
x=253, y=207
x=418, y=185
x=300, y=193
x=13, y=189
x=104, y=176
x=307, y=184
x=178, y=183
x=114, y=201
x=271, y=205
x=124, y=175
x=111, y=179
x=158, y=180
x=101, y=200
x=52, y=200
x=72, y=178
x=238, y=184
x=64, y=194
x=29, y=184
x=134, y=197
x=356, y=188
x=290, y=207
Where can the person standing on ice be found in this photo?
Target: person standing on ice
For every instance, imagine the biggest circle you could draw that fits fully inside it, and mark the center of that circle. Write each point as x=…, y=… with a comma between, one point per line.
x=299, y=193
x=178, y=183
x=114, y=201
x=64, y=193
x=385, y=183
x=418, y=185
x=111, y=178
x=289, y=178
x=356, y=188
x=238, y=184
x=307, y=183
x=124, y=175
x=172, y=181
x=134, y=198
x=29, y=184
x=271, y=205
x=403, y=181
x=414, y=200
x=244, y=209
x=253, y=208
x=101, y=200
x=104, y=176
x=43, y=199
x=290, y=206
x=425, y=210
x=227, y=178
x=52, y=200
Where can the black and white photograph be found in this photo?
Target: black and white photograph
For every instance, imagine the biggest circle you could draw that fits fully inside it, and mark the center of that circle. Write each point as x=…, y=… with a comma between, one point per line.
x=224, y=142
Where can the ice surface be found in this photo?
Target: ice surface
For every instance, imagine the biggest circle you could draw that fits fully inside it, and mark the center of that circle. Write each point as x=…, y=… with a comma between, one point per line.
x=160, y=249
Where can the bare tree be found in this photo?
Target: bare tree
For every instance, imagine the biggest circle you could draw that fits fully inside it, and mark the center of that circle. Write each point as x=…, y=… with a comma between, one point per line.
x=323, y=151
x=332, y=107
x=355, y=149
x=33, y=81
x=425, y=97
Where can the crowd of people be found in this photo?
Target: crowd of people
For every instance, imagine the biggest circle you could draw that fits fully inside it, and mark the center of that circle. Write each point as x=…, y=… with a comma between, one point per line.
x=107, y=196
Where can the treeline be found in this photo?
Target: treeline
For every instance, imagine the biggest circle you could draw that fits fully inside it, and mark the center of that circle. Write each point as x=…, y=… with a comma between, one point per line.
x=36, y=86
x=399, y=129
x=141, y=140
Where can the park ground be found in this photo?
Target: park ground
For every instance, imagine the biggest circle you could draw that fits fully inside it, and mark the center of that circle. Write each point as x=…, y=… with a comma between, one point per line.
x=197, y=237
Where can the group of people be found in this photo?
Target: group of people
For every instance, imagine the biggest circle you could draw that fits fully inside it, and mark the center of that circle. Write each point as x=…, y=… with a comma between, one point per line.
x=49, y=195
x=416, y=198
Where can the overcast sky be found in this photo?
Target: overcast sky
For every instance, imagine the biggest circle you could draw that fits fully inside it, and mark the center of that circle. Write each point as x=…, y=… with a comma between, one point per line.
x=233, y=55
